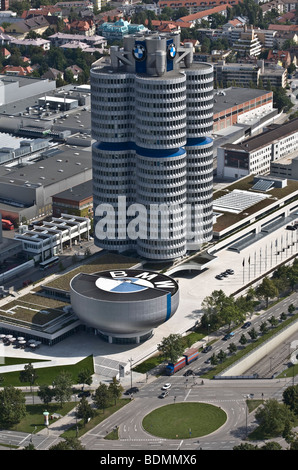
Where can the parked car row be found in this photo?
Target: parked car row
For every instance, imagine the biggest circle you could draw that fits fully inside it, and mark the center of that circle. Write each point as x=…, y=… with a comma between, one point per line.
x=224, y=274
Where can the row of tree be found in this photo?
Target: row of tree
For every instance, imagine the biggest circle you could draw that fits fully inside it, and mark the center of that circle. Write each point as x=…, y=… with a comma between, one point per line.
x=225, y=311
x=173, y=346
x=222, y=310
x=253, y=334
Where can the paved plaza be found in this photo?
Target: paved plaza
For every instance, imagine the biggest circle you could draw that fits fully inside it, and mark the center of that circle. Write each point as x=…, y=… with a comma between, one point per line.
x=258, y=258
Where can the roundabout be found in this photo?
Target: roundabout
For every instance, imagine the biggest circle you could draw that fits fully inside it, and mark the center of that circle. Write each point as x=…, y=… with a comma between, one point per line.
x=184, y=420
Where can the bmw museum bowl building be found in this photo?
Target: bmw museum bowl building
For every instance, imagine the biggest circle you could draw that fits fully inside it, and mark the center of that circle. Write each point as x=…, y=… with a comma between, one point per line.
x=124, y=306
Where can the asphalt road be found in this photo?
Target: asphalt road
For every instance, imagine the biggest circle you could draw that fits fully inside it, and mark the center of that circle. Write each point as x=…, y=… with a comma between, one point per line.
x=229, y=395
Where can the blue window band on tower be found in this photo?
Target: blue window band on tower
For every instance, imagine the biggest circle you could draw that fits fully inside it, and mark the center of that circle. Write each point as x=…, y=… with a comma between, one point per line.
x=143, y=152
x=198, y=141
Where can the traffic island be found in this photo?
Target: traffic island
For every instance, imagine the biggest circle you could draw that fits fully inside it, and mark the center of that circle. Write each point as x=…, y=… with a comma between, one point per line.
x=184, y=420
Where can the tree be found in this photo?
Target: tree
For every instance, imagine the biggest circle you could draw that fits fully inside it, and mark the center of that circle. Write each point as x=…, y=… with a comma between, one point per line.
x=273, y=321
x=63, y=387
x=84, y=410
x=12, y=406
x=281, y=101
x=290, y=398
x=246, y=446
x=85, y=377
x=267, y=290
x=166, y=14
x=263, y=328
x=272, y=445
x=232, y=348
x=101, y=397
x=243, y=340
x=214, y=359
x=253, y=334
x=291, y=309
x=115, y=389
x=171, y=347
x=182, y=11
x=211, y=307
x=69, y=443
x=293, y=274
x=294, y=443
x=283, y=316
x=221, y=355
x=272, y=417
x=45, y=393
x=28, y=374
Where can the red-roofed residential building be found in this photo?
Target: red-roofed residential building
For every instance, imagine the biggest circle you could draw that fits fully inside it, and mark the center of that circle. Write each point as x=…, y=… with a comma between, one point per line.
x=17, y=70
x=197, y=17
x=44, y=10
x=163, y=26
x=6, y=54
x=282, y=57
x=83, y=27
x=283, y=27
x=196, y=5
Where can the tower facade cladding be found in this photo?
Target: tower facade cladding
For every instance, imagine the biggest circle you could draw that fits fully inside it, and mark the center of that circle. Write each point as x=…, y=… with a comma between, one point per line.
x=152, y=116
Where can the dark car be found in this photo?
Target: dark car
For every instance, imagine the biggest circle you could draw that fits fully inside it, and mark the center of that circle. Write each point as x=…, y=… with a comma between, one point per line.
x=86, y=393
x=131, y=390
x=188, y=372
x=246, y=325
x=207, y=349
x=164, y=394
x=219, y=276
x=229, y=271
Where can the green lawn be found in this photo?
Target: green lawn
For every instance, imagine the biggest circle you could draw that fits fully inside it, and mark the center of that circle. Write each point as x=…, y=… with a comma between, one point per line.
x=33, y=422
x=184, y=420
x=10, y=361
x=47, y=375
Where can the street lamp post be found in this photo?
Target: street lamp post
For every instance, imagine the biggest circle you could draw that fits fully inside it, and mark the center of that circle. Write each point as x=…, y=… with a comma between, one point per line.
x=130, y=360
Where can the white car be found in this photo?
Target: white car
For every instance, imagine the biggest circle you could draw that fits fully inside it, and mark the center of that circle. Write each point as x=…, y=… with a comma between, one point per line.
x=166, y=386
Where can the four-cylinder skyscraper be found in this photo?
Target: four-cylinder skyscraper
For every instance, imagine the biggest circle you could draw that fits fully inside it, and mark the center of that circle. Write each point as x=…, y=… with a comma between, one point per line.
x=152, y=117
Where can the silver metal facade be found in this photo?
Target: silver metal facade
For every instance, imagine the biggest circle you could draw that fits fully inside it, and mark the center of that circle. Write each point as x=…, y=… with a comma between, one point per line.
x=121, y=319
x=152, y=113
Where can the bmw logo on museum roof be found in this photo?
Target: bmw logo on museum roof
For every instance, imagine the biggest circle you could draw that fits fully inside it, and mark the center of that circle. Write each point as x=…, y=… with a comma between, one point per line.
x=134, y=281
x=172, y=51
x=139, y=52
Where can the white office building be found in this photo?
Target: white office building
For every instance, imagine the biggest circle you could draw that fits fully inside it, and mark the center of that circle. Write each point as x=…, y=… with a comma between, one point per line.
x=51, y=237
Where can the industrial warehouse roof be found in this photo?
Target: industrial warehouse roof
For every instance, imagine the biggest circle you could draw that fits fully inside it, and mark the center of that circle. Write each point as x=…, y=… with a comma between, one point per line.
x=68, y=161
x=229, y=97
x=77, y=193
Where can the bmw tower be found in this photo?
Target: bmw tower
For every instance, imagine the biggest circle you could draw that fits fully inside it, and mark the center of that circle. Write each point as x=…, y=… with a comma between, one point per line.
x=152, y=117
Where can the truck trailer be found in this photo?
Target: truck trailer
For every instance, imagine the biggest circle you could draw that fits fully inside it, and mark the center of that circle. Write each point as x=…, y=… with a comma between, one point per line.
x=188, y=357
